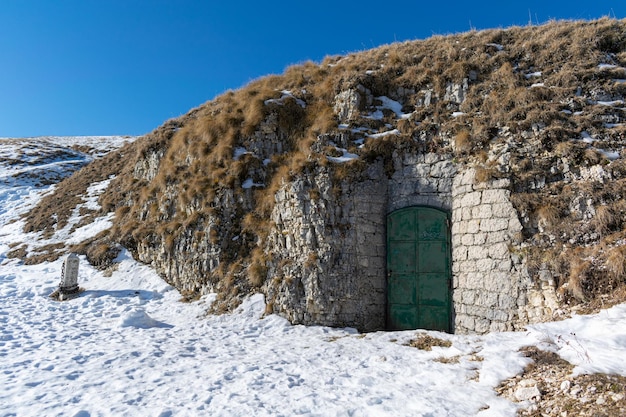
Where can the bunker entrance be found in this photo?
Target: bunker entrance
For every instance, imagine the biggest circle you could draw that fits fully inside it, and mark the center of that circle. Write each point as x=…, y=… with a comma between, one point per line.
x=418, y=269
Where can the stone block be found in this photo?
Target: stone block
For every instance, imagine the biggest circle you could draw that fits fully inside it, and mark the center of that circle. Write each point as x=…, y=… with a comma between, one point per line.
x=480, y=238
x=504, y=265
x=505, y=301
x=474, y=280
x=494, y=196
x=477, y=252
x=442, y=169
x=498, y=327
x=501, y=282
x=464, y=322
x=497, y=237
x=467, y=266
x=487, y=299
x=498, y=315
x=467, y=239
x=459, y=253
x=494, y=225
x=515, y=225
x=481, y=325
x=468, y=297
x=499, y=251
x=485, y=265
x=432, y=158
x=504, y=210
x=473, y=226
x=444, y=185
x=471, y=199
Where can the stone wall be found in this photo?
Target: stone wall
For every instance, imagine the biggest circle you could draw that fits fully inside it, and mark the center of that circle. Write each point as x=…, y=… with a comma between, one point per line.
x=330, y=250
x=492, y=288
x=486, y=282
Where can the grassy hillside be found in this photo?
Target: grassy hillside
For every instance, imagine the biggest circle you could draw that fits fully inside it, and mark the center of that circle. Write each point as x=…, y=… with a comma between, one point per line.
x=538, y=91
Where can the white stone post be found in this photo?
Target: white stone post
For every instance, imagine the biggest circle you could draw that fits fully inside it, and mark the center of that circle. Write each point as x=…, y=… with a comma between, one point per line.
x=69, y=277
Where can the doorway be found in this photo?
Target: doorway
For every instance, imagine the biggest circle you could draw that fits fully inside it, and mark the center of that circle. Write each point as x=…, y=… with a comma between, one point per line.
x=418, y=269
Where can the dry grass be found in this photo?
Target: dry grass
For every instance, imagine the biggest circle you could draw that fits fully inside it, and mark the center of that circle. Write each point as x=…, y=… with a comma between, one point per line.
x=560, y=393
x=616, y=264
x=427, y=342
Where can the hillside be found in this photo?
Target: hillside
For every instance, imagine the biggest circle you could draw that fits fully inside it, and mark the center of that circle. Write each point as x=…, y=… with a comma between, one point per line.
x=250, y=191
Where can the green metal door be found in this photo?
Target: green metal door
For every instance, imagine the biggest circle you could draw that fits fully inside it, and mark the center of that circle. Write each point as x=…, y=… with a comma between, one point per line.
x=418, y=269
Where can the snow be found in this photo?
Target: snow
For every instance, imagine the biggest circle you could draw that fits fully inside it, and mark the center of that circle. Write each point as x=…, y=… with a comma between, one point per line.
x=533, y=74
x=586, y=137
x=128, y=345
x=497, y=46
x=285, y=94
x=394, y=106
x=387, y=103
x=612, y=103
x=346, y=157
x=249, y=183
x=239, y=152
x=383, y=134
x=610, y=155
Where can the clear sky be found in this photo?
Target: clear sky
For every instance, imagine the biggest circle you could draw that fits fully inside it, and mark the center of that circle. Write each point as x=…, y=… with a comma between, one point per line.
x=109, y=67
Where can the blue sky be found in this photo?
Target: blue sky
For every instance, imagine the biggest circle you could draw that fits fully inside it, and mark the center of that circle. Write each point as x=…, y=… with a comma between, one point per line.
x=109, y=67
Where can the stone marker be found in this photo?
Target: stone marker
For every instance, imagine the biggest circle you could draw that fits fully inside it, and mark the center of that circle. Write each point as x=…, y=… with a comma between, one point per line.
x=68, y=287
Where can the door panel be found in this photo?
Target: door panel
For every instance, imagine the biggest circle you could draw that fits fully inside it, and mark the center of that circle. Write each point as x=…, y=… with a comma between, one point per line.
x=402, y=290
x=402, y=258
x=418, y=269
x=431, y=257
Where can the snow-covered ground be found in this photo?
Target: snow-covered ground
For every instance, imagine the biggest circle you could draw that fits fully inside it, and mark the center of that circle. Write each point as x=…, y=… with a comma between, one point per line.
x=127, y=346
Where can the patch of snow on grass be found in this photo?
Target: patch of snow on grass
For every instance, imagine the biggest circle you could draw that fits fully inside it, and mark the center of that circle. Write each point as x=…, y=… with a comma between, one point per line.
x=90, y=230
x=586, y=137
x=497, y=46
x=610, y=155
x=377, y=115
x=281, y=101
x=612, y=103
x=239, y=152
x=347, y=156
x=533, y=75
x=249, y=183
x=383, y=134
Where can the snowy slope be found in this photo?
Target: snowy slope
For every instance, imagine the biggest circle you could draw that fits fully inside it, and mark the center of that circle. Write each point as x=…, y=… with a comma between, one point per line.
x=128, y=346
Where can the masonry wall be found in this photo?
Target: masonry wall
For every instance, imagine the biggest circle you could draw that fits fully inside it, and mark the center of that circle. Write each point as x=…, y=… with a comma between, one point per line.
x=488, y=281
x=329, y=250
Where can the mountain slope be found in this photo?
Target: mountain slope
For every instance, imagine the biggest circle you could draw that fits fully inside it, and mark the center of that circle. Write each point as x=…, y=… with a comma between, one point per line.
x=541, y=107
